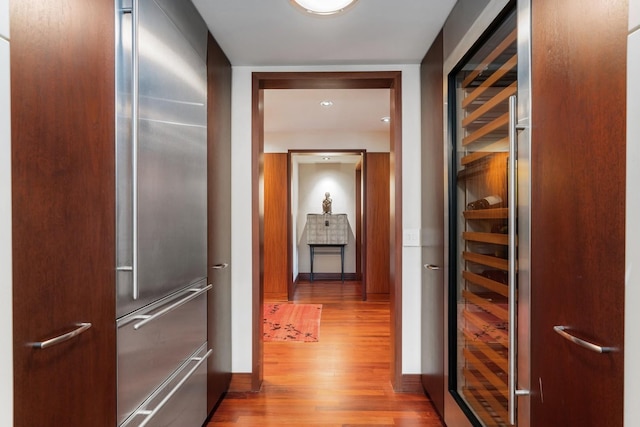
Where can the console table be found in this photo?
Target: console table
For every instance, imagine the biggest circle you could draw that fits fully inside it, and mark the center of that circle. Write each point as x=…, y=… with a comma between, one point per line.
x=312, y=253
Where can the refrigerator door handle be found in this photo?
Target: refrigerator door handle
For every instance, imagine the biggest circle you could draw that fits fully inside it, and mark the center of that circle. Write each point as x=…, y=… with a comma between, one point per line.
x=220, y=266
x=152, y=413
x=134, y=144
x=133, y=268
x=431, y=267
x=562, y=331
x=512, y=224
x=194, y=294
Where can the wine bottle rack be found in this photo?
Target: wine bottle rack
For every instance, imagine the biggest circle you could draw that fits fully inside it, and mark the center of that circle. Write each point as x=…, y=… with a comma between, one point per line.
x=483, y=91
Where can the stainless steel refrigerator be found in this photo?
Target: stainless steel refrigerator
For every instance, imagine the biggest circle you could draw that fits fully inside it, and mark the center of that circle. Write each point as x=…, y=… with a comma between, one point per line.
x=161, y=179
x=488, y=227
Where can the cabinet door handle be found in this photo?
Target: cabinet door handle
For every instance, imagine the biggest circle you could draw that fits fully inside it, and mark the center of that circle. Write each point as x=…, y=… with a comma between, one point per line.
x=81, y=327
x=562, y=331
x=431, y=267
x=220, y=266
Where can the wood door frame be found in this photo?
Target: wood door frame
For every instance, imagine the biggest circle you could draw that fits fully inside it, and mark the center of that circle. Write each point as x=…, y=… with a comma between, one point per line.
x=291, y=223
x=326, y=80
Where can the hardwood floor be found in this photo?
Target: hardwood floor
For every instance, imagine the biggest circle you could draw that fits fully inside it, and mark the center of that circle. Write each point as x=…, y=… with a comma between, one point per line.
x=342, y=380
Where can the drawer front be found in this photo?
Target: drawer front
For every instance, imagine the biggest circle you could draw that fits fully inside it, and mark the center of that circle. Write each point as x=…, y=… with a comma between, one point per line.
x=148, y=355
x=181, y=401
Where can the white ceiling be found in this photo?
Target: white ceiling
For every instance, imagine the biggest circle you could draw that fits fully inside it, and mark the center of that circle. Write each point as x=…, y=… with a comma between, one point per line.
x=299, y=110
x=274, y=33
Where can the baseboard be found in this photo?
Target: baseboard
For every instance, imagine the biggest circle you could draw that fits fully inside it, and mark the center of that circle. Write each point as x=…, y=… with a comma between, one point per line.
x=411, y=383
x=275, y=296
x=240, y=382
x=306, y=277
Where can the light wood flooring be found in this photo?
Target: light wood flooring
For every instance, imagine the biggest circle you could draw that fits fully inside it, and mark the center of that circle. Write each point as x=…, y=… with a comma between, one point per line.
x=342, y=380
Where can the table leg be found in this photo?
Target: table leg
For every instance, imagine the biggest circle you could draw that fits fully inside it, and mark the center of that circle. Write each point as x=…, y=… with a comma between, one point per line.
x=342, y=263
x=311, y=254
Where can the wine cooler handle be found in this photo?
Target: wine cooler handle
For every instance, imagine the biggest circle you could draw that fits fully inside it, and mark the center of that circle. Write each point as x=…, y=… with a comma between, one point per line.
x=512, y=224
x=562, y=331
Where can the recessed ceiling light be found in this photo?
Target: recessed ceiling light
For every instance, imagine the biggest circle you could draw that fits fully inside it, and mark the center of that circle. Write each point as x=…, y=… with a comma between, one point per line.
x=326, y=158
x=386, y=119
x=323, y=7
x=326, y=103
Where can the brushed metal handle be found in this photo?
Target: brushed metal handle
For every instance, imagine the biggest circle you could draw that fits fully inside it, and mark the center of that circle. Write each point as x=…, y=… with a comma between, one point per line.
x=81, y=327
x=133, y=268
x=431, y=267
x=562, y=331
x=135, y=113
x=150, y=318
x=220, y=266
x=512, y=194
x=163, y=402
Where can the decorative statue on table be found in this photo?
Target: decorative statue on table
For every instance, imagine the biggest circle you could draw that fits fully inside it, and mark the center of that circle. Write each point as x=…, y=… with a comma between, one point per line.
x=326, y=203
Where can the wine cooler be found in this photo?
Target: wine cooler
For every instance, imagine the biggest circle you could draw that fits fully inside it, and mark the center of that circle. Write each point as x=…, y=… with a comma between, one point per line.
x=486, y=212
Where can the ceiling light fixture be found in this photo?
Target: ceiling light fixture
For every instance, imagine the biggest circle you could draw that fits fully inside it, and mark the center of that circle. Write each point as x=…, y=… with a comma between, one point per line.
x=326, y=158
x=386, y=119
x=323, y=7
x=326, y=103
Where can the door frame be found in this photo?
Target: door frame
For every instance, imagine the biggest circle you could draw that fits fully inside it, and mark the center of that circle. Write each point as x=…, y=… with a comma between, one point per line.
x=326, y=80
x=360, y=216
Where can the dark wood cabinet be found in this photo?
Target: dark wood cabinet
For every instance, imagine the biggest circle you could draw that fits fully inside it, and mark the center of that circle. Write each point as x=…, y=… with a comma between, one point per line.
x=578, y=142
x=219, y=222
x=62, y=87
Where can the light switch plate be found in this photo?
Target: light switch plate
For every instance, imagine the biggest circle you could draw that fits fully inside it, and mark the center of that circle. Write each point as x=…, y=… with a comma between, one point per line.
x=411, y=237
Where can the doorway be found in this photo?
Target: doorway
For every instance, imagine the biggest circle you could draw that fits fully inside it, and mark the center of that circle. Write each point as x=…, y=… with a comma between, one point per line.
x=331, y=80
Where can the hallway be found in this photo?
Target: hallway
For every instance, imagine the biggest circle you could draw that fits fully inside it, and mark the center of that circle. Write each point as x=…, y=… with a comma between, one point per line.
x=342, y=380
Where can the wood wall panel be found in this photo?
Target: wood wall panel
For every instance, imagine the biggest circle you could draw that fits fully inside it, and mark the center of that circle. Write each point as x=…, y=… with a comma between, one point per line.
x=359, y=222
x=578, y=210
x=63, y=207
x=377, y=210
x=433, y=300
x=276, y=265
x=219, y=220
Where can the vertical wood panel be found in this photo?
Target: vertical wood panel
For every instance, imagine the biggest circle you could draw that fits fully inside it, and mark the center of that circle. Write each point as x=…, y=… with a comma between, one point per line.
x=359, y=221
x=219, y=220
x=578, y=205
x=377, y=213
x=432, y=331
x=276, y=265
x=63, y=166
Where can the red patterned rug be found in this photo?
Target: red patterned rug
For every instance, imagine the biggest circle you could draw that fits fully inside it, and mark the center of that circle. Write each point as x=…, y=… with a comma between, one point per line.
x=291, y=322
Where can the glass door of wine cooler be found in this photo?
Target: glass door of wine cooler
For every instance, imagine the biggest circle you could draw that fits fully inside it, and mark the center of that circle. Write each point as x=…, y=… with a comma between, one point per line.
x=483, y=229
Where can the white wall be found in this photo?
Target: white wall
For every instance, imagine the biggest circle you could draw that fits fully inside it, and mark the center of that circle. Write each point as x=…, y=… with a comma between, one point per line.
x=632, y=274
x=281, y=142
x=241, y=208
x=6, y=281
x=295, y=191
x=316, y=179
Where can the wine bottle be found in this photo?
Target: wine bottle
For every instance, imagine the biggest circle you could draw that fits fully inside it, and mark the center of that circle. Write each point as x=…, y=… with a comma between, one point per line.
x=485, y=203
